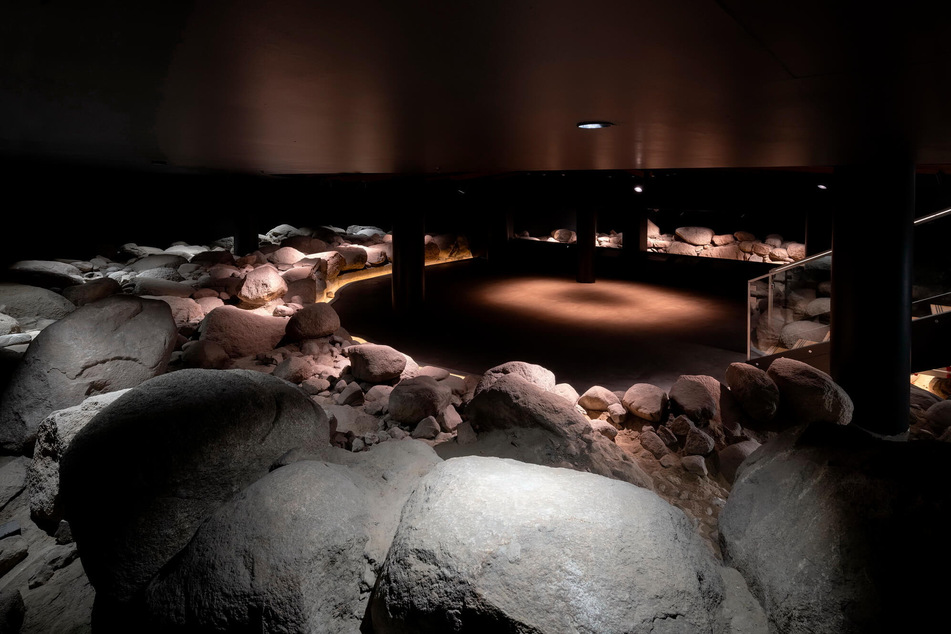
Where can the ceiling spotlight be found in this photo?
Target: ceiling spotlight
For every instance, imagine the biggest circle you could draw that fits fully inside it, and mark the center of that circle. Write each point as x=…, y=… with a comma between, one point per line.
x=594, y=125
x=822, y=187
x=638, y=189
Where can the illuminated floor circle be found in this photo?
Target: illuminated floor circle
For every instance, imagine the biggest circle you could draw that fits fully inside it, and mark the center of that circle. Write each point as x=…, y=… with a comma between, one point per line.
x=612, y=333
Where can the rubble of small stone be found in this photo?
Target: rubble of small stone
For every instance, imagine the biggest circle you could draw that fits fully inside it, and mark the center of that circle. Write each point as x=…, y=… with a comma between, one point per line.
x=265, y=471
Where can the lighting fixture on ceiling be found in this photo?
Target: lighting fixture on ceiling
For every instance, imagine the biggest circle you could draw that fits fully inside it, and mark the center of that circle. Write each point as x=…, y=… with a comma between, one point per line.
x=638, y=189
x=594, y=125
x=822, y=187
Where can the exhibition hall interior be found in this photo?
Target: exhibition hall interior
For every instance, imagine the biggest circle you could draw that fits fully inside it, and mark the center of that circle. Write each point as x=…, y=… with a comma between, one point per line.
x=391, y=317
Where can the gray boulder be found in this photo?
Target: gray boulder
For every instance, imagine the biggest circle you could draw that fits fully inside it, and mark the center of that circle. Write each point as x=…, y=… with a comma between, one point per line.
x=12, y=480
x=53, y=437
x=698, y=236
x=186, y=312
x=45, y=273
x=939, y=417
x=138, y=480
x=690, y=396
x=284, y=555
x=414, y=399
x=681, y=248
x=517, y=419
x=27, y=303
x=646, y=401
x=156, y=261
x=479, y=534
x=151, y=286
x=261, y=286
x=313, y=322
x=205, y=353
x=531, y=372
x=812, y=331
x=112, y=344
x=355, y=257
x=241, y=332
x=730, y=458
x=809, y=395
x=375, y=363
x=812, y=523
x=756, y=393
x=92, y=291
x=598, y=398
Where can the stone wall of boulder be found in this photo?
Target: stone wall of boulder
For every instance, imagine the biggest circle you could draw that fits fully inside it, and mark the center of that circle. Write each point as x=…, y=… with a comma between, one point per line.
x=697, y=241
x=610, y=240
x=740, y=245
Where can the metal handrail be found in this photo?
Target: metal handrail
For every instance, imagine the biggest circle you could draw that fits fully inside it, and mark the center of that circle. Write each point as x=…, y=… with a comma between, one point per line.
x=794, y=265
x=811, y=258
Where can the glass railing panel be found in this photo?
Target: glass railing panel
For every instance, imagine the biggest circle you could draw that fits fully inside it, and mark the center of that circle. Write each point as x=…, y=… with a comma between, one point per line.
x=931, y=281
x=790, y=306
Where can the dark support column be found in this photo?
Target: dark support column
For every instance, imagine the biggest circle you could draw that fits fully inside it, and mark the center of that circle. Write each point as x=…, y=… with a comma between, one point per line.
x=870, y=353
x=409, y=260
x=245, y=235
x=818, y=229
x=587, y=223
x=501, y=231
x=641, y=243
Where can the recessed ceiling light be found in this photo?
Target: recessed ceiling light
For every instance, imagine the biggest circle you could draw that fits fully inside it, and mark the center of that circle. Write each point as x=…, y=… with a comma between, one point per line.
x=638, y=189
x=594, y=125
x=822, y=187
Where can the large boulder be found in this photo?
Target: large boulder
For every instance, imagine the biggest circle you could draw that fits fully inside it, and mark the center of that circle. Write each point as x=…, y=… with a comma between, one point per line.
x=53, y=437
x=108, y=345
x=27, y=303
x=689, y=395
x=835, y=530
x=531, y=372
x=241, y=332
x=646, y=401
x=517, y=419
x=156, y=261
x=45, y=273
x=798, y=331
x=809, y=395
x=355, y=257
x=284, y=555
x=756, y=393
x=375, y=363
x=313, y=322
x=186, y=312
x=138, y=480
x=92, y=291
x=261, y=286
x=479, y=534
x=414, y=399
x=698, y=236
x=598, y=398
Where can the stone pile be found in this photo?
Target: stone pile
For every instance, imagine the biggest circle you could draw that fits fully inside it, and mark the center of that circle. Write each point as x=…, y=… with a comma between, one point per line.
x=610, y=240
x=741, y=245
x=228, y=459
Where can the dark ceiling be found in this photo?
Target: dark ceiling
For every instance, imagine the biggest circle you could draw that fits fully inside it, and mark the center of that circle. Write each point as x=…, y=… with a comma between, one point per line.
x=475, y=86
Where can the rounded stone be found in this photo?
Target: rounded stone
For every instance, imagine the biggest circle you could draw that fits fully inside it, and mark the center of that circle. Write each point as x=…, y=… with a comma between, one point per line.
x=313, y=322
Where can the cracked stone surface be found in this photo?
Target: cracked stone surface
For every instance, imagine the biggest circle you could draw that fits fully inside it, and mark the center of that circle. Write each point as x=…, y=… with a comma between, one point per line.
x=112, y=344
